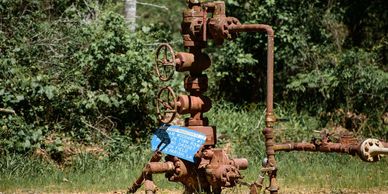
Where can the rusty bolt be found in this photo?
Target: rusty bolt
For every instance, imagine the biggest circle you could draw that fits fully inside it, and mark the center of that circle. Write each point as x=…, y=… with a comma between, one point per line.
x=208, y=154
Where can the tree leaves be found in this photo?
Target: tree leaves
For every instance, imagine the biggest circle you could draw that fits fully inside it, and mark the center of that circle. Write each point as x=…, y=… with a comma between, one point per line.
x=58, y=73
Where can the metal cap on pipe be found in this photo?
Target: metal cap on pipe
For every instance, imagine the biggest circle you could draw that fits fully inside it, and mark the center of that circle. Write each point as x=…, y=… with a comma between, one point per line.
x=240, y=163
x=371, y=150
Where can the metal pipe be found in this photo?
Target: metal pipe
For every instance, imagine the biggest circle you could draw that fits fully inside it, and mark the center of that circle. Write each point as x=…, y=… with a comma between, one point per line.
x=328, y=147
x=377, y=151
x=269, y=117
x=371, y=150
x=159, y=167
x=270, y=61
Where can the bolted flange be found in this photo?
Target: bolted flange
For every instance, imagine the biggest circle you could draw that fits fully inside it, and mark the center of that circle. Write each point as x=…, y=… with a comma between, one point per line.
x=371, y=150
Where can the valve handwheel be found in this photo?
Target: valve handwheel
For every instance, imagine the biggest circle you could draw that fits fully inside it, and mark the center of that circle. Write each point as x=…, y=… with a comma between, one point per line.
x=166, y=105
x=165, y=62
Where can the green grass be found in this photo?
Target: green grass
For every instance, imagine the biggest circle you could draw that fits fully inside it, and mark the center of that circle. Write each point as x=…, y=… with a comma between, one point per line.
x=331, y=171
x=296, y=170
x=240, y=128
x=87, y=174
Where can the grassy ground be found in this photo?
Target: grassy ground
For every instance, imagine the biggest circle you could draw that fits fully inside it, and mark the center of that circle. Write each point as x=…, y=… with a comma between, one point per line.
x=298, y=172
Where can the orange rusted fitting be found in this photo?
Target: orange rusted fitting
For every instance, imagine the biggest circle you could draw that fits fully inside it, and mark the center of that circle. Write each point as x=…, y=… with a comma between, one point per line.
x=240, y=163
x=191, y=26
x=226, y=175
x=149, y=186
x=192, y=104
x=159, y=167
x=270, y=120
x=193, y=62
x=197, y=119
x=181, y=168
x=208, y=154
x=196, y=83
x=209, y=131
x=183, y=59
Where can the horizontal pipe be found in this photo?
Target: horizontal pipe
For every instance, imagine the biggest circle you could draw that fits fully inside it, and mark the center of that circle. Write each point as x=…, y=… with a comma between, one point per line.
x=378, y=151
x=240, y=163
x=159, y=167
x=328, y=147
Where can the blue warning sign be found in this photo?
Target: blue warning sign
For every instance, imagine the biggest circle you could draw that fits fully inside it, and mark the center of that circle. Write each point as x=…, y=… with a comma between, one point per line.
x=177, y=141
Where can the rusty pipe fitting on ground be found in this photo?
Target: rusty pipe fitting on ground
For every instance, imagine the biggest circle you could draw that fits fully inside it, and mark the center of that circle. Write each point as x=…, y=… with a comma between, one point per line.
x=369, y=150
x=327, y=147
x=150, y=187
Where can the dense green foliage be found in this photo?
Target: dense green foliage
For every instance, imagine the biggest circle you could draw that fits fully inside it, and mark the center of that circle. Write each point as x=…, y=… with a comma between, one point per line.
x=71, y=69
x=330, y=56
x=63, y=70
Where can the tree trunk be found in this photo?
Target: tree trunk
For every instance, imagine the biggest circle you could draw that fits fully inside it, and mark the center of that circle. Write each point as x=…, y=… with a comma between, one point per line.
x=130, y=14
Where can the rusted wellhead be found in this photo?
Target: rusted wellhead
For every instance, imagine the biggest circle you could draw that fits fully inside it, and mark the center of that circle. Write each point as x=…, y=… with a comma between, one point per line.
x=212, y=168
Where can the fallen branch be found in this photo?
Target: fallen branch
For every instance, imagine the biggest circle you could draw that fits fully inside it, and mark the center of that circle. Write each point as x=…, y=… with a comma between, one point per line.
x=8, y=111
x=97, y=129
x=153, y=5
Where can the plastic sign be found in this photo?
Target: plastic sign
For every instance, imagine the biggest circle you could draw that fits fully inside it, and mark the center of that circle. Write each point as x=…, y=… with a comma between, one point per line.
x=177, y=141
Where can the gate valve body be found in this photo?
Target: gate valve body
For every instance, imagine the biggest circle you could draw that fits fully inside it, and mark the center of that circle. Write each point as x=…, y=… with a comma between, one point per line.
x=167, y=61
x=193, y=62
x=193, y=104
x=168, y=104
x=197, y=28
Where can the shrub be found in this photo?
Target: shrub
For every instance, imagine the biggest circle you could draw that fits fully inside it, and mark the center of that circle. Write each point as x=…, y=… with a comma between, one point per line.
x=61, y=73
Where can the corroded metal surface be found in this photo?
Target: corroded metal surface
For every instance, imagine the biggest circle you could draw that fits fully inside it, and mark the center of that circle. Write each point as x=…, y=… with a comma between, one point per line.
x=369, y=150
x=213, y=168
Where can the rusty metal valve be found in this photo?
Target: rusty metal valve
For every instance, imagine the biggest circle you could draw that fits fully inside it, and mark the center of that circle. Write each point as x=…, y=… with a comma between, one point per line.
x=165, y=62
x=371, y=150
x=168, y=105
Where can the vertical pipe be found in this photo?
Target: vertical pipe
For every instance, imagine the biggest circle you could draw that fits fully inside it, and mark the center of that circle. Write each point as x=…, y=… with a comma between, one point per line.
x=270, y=62
x=269, y=117
x=270, y=69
